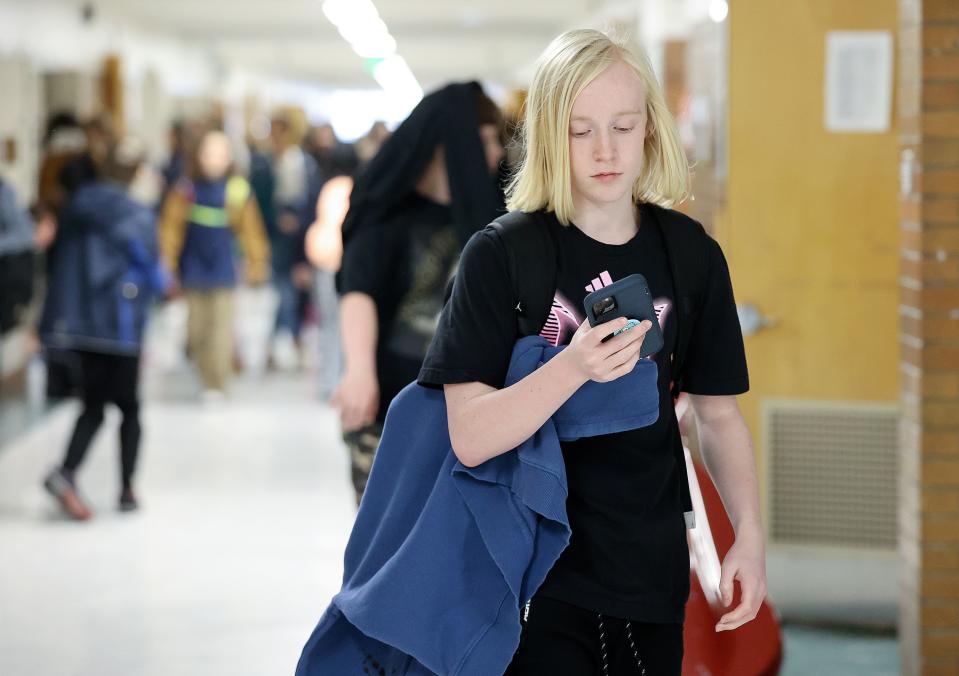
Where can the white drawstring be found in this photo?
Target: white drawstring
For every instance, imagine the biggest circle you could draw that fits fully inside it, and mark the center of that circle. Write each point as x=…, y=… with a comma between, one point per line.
x=602, y=645
x=632, y=644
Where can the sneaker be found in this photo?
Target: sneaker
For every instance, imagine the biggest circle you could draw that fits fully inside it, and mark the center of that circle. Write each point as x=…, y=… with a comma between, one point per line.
x=128, y=501
x=60, y=486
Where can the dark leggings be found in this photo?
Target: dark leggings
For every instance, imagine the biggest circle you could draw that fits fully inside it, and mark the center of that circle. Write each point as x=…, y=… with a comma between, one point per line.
x=107, y=378
x=559, y=638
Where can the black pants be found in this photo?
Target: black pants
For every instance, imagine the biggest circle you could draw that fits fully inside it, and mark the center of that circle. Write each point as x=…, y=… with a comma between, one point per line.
x=559, y=638
x=108, y=378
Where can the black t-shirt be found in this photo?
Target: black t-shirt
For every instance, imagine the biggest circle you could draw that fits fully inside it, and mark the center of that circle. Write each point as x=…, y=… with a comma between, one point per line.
x=404, y=265
x=628, y=555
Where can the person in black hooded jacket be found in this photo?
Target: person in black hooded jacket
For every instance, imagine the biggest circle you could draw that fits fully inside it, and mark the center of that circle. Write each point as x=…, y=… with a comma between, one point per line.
x=431, y=186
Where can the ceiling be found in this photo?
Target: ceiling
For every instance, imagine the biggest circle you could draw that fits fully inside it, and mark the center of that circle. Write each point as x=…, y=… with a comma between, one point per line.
x=441, y=40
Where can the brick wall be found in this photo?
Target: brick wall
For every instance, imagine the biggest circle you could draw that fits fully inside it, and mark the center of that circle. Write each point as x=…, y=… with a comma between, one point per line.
x=929, y=320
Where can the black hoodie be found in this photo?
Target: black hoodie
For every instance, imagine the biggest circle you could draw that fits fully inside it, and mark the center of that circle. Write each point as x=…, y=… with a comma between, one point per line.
x=399, y=247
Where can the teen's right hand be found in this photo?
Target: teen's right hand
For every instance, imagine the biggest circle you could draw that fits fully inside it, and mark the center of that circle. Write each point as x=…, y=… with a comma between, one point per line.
x=604, y=362
x=358, y=399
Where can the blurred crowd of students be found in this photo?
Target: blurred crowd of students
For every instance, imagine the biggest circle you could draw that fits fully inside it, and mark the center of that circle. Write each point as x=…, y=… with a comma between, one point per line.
x=109, y=234
x=367, y=266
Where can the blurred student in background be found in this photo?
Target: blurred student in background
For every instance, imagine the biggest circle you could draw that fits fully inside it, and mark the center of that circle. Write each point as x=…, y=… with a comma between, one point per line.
x=332, y=156
x=369, y=145
x=104, y=273
x=430, y=187
x=324, y=250
x=296, y=185
x=211, y=238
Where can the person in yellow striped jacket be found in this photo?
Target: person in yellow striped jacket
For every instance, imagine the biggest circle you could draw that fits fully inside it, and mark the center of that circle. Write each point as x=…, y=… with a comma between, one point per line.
x=212, y=238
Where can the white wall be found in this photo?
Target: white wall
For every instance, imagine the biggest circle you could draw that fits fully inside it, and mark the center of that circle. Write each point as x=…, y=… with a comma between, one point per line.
x=54, y=37
x=662, y=20
x=20, y=118
x=55, y=40
x=165, y=76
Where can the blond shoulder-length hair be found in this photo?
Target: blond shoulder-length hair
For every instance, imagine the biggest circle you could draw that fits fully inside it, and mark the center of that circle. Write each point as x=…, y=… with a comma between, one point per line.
x=568, y=64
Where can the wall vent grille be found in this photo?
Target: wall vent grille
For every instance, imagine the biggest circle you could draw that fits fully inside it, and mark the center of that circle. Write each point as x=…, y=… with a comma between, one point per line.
x=832, y=473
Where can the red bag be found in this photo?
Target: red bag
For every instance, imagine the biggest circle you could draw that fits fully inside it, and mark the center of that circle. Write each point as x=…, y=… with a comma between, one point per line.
x=755, y=649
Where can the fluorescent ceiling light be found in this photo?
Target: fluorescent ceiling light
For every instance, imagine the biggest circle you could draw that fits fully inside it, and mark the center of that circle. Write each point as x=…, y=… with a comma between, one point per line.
x=395, y=77
x=378, y=47
x=346, y=12
x=359, y=23
x=355, y=32
x=718, y=10
x=394, y=74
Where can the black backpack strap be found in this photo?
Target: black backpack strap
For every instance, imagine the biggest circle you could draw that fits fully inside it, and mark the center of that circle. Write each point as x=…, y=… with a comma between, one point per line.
x=686, y=248
x=531, y=254
x=688, y=253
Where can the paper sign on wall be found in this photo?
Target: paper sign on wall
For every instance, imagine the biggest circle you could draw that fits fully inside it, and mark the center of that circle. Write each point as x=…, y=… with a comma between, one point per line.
x=858, y=81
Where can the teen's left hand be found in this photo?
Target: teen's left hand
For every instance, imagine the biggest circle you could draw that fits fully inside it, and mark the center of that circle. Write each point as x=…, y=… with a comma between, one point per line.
x=745, y=562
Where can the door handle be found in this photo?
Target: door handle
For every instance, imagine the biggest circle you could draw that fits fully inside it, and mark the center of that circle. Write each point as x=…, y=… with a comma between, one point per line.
x=752, y=320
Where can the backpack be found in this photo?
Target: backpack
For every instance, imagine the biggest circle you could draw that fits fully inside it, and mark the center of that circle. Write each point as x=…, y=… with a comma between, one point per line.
x=532, y=262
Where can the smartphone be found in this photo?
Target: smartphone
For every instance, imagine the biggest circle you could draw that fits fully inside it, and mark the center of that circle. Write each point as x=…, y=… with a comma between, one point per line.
x=630, y=298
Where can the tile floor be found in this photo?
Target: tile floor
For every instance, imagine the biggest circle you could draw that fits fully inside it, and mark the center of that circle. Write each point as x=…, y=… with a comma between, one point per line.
x=237, y=550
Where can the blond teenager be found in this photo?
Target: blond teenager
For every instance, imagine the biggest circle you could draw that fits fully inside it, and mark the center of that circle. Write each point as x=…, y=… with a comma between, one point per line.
x=602, y=169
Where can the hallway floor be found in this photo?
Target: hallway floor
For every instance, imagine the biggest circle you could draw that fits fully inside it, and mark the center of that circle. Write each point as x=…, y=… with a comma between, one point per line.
x=237, y=549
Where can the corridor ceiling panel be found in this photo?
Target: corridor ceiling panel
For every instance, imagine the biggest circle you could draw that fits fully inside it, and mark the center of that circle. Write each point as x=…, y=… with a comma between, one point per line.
x=441, y=40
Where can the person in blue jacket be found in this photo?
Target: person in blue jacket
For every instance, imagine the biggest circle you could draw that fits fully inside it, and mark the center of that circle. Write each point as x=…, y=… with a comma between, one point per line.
x=104, y=273
x=602, y=168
